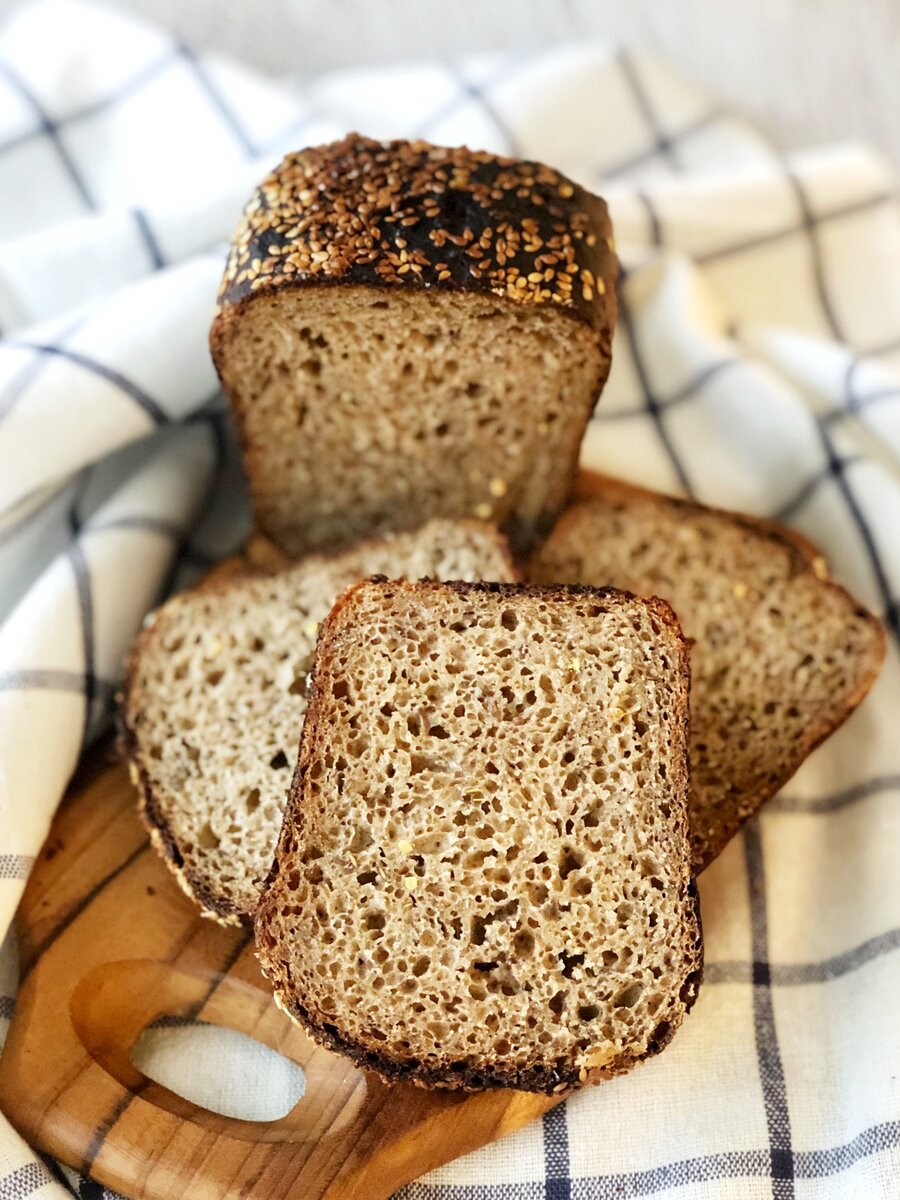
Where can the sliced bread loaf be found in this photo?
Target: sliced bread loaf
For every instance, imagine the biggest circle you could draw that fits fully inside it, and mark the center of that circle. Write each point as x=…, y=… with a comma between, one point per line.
x=781, y=656
x=407, y=331
x=483, y=876
x=216, y=691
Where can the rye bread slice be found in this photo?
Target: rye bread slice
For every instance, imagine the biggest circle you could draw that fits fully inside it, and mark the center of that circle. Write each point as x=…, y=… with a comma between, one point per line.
x=781, y=656
x=483, y=876
x=216, y=692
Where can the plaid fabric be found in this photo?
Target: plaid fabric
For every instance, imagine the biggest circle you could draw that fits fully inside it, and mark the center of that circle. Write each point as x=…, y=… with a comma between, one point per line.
x=757, y=366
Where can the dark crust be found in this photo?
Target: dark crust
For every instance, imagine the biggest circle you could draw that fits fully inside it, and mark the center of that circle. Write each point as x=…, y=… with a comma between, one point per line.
x=414, y=215
x=551, y=1078
x=805, y=558
x=161, y=836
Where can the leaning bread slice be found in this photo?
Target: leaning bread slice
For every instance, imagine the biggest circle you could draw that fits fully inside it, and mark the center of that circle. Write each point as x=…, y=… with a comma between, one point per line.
x=407, y=330
x=781, y=656
x=216, y=692
x=483, y=876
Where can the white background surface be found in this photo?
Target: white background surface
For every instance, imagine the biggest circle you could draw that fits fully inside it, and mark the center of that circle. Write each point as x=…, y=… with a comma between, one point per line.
x=812, y=71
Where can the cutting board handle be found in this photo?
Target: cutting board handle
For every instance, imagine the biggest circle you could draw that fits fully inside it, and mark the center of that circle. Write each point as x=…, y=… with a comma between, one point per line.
x=116, y=1001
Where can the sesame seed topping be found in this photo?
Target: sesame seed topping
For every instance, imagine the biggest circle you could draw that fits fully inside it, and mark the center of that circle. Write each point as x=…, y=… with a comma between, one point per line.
x=483, y=511
x=382, y=213
x=497, y=487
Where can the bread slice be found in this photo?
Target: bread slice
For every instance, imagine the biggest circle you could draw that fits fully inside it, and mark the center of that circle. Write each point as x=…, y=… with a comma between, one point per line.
x=407, y=331
x=483, y=876
x=781, y=656
x=216, y=692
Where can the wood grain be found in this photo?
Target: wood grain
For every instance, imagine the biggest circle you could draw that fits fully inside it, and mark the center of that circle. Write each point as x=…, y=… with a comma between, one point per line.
x=108, y=945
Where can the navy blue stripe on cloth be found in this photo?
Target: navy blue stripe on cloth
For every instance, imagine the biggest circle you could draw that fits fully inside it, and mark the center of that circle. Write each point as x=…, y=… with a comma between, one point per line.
x=24, y=1180
x=22, y=380
x=218, y=101
x=651, y=403
x=49, y=127
x=768, y=1054
x=834, y=801
x=138, y=395
x=807, y=490
x=36, y=679
x=556, y=1154
x=7, y=1007
x=623, y=165
x=635, y=1185
x=687, y=392
x=802, y=974
x=148, y=237
x=82, y=574
x=15, y=866
x=662, y=142
x=891, y=610
x=470, y=91
x=137, y=81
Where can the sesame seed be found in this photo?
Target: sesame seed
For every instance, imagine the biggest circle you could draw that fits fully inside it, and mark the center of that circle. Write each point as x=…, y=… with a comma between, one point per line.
x=483, y=511
x=820, y=567
x=740, y=591
x=410, y=882
x=405, y=847
x=497, y=487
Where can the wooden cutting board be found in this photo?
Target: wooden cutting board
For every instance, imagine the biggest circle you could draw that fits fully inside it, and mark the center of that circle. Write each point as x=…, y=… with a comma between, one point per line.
x=108, y=945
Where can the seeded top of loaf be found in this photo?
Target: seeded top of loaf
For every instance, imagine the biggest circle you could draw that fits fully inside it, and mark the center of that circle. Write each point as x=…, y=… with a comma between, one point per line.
x=409, y=213
x=483, y=875
x=781, y=655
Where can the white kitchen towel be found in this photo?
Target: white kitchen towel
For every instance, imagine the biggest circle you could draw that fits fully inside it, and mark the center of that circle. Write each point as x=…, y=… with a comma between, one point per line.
x=757, y=366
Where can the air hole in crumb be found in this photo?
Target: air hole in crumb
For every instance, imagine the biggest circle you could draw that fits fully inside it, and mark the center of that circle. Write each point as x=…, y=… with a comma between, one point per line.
x=629, y=996
x=252, y=801
x=278, y=761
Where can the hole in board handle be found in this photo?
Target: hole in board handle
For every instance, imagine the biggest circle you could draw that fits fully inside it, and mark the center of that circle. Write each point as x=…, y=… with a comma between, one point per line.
x=115, y=1003
x=219, y=1069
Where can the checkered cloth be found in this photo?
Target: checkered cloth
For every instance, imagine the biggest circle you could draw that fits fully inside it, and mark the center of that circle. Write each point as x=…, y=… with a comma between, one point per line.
x=757, y=366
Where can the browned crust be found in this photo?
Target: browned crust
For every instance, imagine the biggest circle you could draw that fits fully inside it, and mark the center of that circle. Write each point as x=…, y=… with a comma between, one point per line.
x=548, y=1077
x=805, y=559
x=414, y=215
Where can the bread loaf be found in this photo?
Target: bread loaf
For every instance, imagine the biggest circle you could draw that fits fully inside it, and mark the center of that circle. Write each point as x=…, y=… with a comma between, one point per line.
x=781, y=656
x=216, y=692
x=406, y=331
x=483, y=876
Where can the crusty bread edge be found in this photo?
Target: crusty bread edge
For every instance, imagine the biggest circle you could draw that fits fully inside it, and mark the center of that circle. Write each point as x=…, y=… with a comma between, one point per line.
x=806, y=558
x=258, y=557
x=539, y=1077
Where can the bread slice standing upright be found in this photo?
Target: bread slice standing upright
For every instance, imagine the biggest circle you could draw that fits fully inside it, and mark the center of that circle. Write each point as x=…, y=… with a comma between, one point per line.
x=216, y=691
x=407, y=331
x=781, y=656
x=483, y=877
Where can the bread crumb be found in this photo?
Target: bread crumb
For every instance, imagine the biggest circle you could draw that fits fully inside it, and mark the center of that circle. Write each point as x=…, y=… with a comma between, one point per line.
x=497, y=487
x=820, y=567
x=740, y=591
x=405, y=847
x=311, y=628
x=410, y=882
x=483, y=511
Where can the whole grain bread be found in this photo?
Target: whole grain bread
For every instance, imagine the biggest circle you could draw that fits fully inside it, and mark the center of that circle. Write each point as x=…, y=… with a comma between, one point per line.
x=781, y=655
x=216, y=692
x=483, y=876
x=406, y=331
